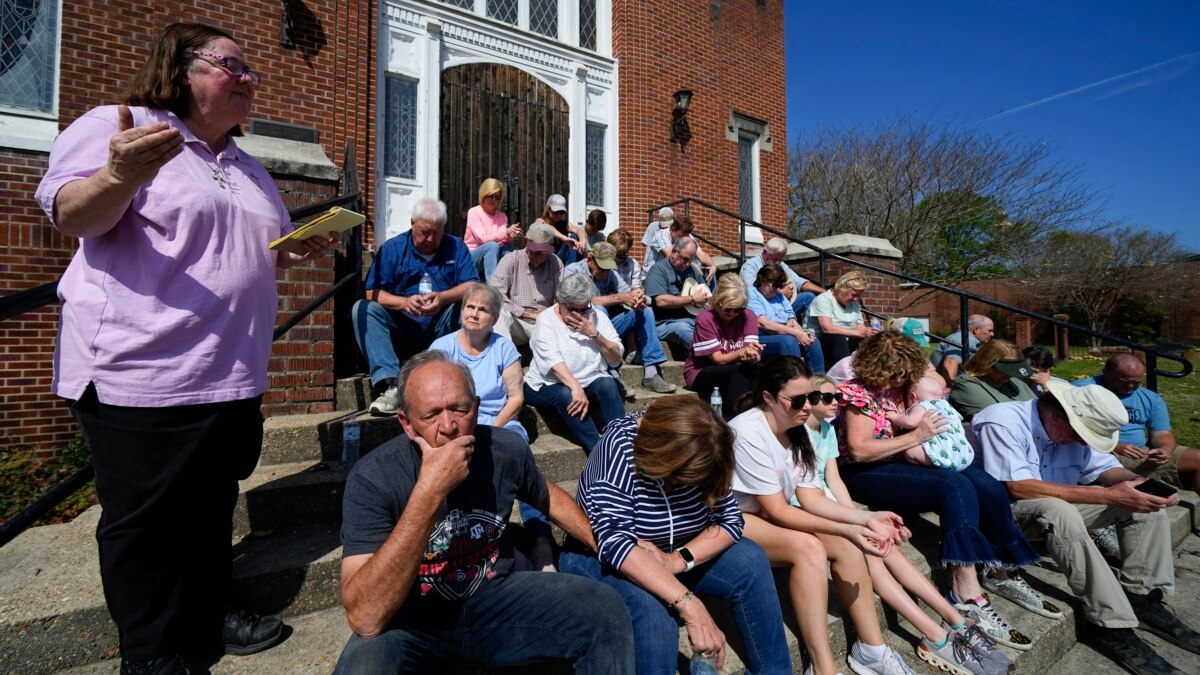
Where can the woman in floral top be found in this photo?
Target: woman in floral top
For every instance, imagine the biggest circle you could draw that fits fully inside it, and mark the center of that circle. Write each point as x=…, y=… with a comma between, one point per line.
x=973, y=508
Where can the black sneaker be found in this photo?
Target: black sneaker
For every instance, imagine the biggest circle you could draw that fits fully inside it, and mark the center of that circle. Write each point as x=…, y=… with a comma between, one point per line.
x=1130, y=652
x=1155, y=616
x=247, y=633
x=163, y=665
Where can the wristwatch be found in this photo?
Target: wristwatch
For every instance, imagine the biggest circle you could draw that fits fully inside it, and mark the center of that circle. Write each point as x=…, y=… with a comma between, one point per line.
x=688, y=559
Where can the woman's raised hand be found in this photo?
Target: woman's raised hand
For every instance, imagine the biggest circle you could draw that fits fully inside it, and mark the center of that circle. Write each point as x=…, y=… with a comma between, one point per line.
x=135, y=154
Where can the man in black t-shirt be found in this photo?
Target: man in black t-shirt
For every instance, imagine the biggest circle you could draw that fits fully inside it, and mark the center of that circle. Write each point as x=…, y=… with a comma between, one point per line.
x=427, y=568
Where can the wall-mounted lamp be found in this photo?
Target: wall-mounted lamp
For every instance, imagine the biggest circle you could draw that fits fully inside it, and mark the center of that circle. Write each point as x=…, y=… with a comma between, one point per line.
x=681, y=133
x=286, y=29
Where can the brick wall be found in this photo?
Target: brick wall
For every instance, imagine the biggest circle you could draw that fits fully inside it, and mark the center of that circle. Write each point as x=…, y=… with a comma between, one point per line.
x=730, y=54
x=326, y=81
x=883, y=291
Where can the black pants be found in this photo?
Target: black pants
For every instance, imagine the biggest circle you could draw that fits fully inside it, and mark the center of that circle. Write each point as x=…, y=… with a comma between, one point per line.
x=733, y=379
x=167, y=482
x=837, y=347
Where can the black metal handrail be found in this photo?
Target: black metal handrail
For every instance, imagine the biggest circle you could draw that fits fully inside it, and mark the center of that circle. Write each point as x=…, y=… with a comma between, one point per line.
x=1152, y=352
x=36, y=298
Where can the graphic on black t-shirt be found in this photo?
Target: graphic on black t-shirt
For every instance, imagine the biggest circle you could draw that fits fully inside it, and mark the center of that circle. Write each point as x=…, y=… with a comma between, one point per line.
x=461, y=554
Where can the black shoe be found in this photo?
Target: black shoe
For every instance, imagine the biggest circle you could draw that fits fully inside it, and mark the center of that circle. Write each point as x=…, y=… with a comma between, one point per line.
x=247, y=633
x=1154, y=616
x=1130, y=652
x=163, y=665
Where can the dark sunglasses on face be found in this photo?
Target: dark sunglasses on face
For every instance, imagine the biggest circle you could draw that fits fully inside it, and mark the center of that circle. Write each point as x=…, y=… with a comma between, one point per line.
x=813, y=398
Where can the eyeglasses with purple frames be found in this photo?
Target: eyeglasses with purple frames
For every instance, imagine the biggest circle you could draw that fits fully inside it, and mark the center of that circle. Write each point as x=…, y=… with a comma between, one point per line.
x=230, y=64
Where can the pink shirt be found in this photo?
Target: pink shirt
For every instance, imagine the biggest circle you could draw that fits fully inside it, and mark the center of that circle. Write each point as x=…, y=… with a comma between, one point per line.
x=482, y=228
x=175, y=304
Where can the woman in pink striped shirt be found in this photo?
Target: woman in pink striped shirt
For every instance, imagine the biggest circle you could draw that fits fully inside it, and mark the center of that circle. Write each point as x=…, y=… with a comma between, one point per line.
x=488, y=235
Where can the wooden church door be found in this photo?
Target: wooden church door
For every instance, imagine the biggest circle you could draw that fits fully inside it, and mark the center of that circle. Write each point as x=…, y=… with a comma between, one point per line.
x=498, y=121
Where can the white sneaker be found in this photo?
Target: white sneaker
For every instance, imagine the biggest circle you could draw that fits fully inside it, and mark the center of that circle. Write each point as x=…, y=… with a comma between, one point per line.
x=1018, y=591
x=387, y=403
x=987, y=619
x=809, y=670
x=890, y=664
x=988, y=653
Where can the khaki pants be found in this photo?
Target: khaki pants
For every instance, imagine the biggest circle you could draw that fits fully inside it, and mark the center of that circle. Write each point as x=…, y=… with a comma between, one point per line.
x=514, y=328
x=1145, y=540
x=1167, y=473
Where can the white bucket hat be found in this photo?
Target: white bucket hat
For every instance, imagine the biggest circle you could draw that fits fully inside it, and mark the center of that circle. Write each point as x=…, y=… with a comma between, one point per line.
x=1095, y=413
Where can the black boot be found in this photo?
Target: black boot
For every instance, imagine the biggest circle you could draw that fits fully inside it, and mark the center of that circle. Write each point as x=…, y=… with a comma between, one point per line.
x=247, y=633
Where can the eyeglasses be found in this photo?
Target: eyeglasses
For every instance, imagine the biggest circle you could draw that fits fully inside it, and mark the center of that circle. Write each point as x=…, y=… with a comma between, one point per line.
x=731, y=310
x=813, y=397
x=234, y=66
x=579, y=310
x=683, y=258
x=492, y=198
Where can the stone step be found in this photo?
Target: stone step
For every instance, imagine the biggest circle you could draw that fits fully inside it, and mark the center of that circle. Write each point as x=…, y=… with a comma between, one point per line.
x=52, y=612
x=316, y=437
x=282, y=495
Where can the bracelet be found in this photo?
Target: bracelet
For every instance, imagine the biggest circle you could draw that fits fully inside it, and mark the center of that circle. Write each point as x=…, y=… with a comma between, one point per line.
x=593, y=336
x=681, y=600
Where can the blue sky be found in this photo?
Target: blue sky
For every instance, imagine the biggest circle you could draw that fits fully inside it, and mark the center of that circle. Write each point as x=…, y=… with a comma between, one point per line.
x=1113, y=86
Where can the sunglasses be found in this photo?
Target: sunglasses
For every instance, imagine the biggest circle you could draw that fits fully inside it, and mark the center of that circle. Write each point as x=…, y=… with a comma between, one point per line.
x=813, y=398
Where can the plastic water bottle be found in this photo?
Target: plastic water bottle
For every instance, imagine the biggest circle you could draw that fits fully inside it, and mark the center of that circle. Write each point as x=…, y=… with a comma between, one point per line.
x=875, y=325
x=703, y=664
x=426, y=285
x=716, y=402
x=351, y=435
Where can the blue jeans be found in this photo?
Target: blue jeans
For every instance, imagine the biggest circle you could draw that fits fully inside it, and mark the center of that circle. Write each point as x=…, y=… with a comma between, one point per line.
x=566, y=250
x=834, y=348
x=775, y=344
x=644, y=333
x=384, y=335
x=800, y=304
x=740, y=574
x=678, y=331
x=528, y=617
x=487, y=255
x=973, y=508
x=601, y=392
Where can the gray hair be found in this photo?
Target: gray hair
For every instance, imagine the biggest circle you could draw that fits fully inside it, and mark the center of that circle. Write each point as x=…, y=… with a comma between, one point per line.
x=682, y=243
x=666, y=212
x=423, y=359
x=430, y=210
x=977, y=321
x=576, y=289
x=489, y=295
x=777, y=245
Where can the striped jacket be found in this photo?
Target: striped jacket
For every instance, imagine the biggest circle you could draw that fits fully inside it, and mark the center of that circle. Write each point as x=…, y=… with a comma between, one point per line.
x=625, y=506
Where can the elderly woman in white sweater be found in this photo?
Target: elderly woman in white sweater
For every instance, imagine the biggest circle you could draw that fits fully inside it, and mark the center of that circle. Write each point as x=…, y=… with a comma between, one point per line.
x=573, y=348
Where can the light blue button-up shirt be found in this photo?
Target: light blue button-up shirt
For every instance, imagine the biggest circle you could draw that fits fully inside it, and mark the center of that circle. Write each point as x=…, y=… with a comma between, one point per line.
x=1014, y=446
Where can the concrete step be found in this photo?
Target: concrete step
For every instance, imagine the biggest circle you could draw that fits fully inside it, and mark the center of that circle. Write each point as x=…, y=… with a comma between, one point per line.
x=282, y=495
x=52, y=612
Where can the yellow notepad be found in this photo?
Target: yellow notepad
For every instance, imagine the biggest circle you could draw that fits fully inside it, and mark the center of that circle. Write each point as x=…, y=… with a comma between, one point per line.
x=336, y=219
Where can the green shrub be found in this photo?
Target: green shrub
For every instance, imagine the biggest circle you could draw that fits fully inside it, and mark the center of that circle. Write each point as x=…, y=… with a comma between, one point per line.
x=24, y=476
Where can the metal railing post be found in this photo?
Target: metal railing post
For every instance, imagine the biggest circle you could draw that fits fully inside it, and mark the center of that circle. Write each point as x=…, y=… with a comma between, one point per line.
x=1151, y=370
x=964, y=331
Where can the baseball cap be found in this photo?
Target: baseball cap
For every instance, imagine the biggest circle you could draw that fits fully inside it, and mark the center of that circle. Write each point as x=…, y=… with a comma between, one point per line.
x=1014, y=368
x=556, y=203
x=605, y=255
x=666, y=216
x=540, y=237
x=1095, y=413
x=912, y=328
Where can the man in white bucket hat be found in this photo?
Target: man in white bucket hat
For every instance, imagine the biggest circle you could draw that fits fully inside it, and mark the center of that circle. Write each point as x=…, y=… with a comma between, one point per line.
x=1054, y=457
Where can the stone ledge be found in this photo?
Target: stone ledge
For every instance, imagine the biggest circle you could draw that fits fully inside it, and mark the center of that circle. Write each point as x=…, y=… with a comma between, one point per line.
x=292, y=158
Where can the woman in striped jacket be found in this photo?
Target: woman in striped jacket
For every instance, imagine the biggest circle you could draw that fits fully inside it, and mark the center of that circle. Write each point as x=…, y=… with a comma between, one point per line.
x=657, y=491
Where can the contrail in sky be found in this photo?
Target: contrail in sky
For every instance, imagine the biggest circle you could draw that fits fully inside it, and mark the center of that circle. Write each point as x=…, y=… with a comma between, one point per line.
x=1190, y=58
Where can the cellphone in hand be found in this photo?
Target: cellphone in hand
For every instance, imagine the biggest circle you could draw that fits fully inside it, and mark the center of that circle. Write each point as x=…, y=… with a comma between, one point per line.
x=1153, y=486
